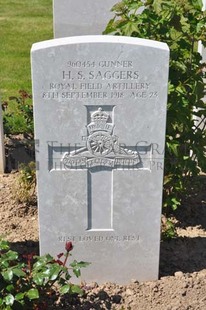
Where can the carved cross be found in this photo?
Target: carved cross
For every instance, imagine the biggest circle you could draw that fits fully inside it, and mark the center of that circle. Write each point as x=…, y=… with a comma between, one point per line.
x=100, y=156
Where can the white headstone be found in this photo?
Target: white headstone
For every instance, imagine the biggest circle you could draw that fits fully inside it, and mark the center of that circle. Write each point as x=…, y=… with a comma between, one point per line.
x=100, y=113
x=2, y=150
x=81, y=17
x=201, y=121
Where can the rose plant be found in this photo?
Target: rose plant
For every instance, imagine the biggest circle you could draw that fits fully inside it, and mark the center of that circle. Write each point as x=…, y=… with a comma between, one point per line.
x=181, y=24
x=18, y=115
x=28, y=282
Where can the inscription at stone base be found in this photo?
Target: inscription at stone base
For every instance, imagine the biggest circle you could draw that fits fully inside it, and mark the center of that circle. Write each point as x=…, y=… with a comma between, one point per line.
x=93, y=238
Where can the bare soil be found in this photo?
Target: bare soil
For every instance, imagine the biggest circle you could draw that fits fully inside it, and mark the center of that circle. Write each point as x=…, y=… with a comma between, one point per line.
x=182, y=281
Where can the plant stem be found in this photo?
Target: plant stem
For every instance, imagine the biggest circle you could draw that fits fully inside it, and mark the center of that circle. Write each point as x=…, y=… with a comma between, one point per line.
x=66, y=258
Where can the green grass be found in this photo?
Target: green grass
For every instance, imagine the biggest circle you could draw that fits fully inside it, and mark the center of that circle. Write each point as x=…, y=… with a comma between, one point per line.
x=22, y=23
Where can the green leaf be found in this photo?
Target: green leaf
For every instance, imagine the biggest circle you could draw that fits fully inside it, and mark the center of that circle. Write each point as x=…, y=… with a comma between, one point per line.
x=173, y=146
x=171, y=88
x=65, y=289
x=10, y=288
x=175, y=35
x=77, y=272
x=38, y=278
x=167, y=179
x=109, y=27
x=67, y=276
x=19, y=296
x=33, y=293
x=54, y=271
x=12, y=255
x=4, y=245
x=43, y=260
x=186, y=157
x=169, y=231
x=79, y=264
x=76, y=289
x=197, y=4
x=19, y=272
x=129, y=28
x=83, y=264
x=76, y=267
x=118, y=7
x=175, y=203
x=74, y=263
x=9, y=300
x=181, y=65
x=6, y=258
x=7, y=275
x=135, y=5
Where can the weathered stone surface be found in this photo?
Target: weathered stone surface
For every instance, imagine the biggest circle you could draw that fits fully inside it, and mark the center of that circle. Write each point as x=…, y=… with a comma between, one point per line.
x=100, y=114
x=81, y=17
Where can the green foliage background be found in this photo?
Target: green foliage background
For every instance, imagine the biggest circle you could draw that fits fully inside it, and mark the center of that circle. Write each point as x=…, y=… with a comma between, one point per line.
x=180, y=24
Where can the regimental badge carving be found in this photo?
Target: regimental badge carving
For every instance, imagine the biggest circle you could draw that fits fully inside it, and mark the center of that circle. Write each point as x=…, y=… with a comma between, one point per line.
x=102, y=147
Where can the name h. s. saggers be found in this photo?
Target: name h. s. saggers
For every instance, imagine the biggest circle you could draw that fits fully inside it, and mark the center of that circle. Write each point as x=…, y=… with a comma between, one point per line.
x=126, y=72
x=95, y=75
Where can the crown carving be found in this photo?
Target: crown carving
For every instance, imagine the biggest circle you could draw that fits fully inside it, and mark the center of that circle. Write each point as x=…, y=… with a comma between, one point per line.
x=99, y=115
x=99, y=120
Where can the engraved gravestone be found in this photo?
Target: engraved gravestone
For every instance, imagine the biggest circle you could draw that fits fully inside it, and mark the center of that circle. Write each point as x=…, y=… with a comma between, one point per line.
x=100, y=113
x=2, y=150
x=201, y=121
x=81, y=17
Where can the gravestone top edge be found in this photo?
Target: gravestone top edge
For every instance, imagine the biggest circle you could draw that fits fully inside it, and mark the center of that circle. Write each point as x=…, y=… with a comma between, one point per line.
x=99, y=39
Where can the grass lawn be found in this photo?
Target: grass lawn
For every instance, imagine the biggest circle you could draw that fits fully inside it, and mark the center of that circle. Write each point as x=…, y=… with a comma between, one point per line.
x=22, y=23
